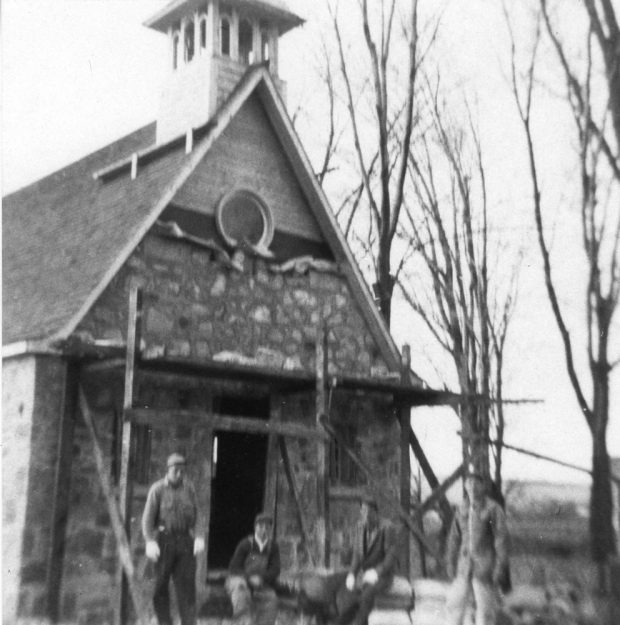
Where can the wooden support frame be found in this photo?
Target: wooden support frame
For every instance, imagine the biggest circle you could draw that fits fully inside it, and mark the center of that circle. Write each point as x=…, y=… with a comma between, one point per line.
x=204, y=502
x=134, y=335
x=143, y=608
x=439, y=493
x=297, y=499
x=445, y=510
x=322, y=475
x=62, y=484
x=380, y=493
x=270, y=499
x=404, y=418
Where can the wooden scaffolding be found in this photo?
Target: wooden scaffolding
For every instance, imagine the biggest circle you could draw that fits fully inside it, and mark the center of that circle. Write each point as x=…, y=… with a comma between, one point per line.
x=405, y=396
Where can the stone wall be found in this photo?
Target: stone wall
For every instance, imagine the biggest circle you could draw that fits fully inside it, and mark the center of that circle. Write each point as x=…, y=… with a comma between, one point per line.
x=198, y=307
x=33, y=390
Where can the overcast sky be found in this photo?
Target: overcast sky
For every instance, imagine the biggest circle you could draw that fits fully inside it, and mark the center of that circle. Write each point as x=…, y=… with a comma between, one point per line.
x=79, y=74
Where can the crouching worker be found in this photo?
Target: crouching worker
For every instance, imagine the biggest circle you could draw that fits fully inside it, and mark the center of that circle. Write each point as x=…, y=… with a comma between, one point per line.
x=253, y=571
x=375, y=558
x=173, y=539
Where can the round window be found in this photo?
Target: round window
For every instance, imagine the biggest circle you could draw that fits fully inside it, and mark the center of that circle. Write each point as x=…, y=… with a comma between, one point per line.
x=242, y=216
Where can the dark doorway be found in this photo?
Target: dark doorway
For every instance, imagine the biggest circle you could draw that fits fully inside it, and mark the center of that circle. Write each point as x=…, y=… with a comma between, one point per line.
x=239, y=479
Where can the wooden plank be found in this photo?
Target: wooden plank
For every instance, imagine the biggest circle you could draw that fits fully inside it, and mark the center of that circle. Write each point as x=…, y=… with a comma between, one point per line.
x=404, y=417
x=142, y=606
x=204, y=501
x=223, y=423
x=439, y=493
x=62, y=484
x=125, y=481
x=296, y=498
x=322, y=474
x=379, y=492
x=271, y=478
x=445, y=510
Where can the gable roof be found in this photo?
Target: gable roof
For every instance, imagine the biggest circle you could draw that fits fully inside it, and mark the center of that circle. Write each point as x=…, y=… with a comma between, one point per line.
x=66, y=236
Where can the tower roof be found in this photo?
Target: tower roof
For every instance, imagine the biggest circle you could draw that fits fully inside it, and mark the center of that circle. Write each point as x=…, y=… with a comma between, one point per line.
x=275, y=10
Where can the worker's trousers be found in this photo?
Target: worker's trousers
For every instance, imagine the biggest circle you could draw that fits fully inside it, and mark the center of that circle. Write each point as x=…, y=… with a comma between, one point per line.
x=177, y=562
x=255, y=607
x=458, y=600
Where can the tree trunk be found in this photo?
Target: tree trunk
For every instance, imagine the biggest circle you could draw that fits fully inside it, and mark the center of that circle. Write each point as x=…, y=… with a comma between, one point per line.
x=602, y=536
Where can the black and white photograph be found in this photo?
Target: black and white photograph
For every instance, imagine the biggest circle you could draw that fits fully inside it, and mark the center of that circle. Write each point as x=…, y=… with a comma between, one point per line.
x=310, y=312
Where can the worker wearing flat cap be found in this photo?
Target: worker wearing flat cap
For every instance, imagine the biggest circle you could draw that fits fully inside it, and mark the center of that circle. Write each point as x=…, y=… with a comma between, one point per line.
x=476, y=553
x=375, y=558
x=253, y=571
x=174, y=536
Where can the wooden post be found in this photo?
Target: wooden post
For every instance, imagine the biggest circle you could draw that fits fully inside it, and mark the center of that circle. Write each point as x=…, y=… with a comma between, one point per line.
x=296, y=498
x=142, y=606
x=126, y=481
x=322, y=473
x=271, y=482
x=404, y=417
x=445, y=510
x=205, y=437
x=62, y=483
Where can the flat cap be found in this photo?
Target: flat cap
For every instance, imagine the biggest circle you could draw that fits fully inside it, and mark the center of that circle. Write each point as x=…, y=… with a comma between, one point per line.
x=175, y=458
x=263, y=517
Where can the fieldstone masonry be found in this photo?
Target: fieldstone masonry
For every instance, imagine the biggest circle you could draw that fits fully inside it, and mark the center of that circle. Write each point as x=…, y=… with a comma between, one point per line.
x=30, y=426
x=198, y=307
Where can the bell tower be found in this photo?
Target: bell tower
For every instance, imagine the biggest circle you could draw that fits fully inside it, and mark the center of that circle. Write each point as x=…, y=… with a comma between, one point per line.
x=211, y=45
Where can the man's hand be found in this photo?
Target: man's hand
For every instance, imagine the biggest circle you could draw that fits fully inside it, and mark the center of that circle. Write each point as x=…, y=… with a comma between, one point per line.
x=255, y=581
x=152, y=550
x=199, y=545
x=370, y=577
x=350, y=582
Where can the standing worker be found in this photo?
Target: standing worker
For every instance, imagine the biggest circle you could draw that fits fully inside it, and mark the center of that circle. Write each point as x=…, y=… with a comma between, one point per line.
x=375, y=557
x=173, y=540
x=253, y=571
x=477, y=554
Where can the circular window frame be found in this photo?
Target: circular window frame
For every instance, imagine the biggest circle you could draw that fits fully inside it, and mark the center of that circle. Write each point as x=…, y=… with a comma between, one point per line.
x=268, y=230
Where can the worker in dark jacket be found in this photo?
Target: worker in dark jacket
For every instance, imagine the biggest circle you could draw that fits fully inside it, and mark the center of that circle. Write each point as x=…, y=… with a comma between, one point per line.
x=477, y=554
x=174, y=537
x=253, y=571
x=375, y=558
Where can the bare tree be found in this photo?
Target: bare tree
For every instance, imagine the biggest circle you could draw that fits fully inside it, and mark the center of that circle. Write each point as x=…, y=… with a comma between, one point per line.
x=449, y=284
x=596, y=120
x=382, y=165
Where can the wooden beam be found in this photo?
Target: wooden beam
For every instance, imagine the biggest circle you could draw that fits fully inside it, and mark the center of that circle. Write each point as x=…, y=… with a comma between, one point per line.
x=380, y=492
x=125, y=482
x=62, y=484
x=322, y=473
x=142, y=606
x=404, y=418
x=271, y=481
x=203, y=494
x=439, y=493
x=445, y=510
x=290, y=476
x=224, y=423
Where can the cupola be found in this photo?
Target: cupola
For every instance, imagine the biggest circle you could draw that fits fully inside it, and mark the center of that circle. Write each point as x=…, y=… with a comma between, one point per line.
x=211, y=45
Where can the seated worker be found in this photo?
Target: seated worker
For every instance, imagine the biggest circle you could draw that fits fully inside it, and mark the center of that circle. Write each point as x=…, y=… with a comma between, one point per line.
x=252, y=573
x=375, y=556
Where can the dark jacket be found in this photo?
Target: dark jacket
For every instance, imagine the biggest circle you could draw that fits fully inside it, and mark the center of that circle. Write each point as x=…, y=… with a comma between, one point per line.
x=379, y=552
x=248, y=560
x=478, y=546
